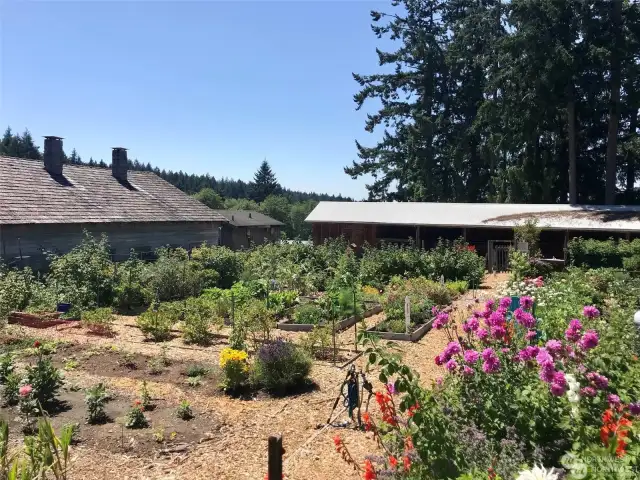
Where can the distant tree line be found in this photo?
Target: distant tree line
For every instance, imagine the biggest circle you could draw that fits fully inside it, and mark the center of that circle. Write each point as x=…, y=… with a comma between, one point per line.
x=263, y=194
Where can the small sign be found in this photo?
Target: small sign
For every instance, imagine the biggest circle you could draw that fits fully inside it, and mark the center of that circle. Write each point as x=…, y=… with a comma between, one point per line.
x=407, y=314
x=523, y=247
x=441, y=279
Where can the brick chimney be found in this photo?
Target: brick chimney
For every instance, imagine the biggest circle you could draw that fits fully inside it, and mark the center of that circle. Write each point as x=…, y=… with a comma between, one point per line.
x=53, y=155
x=119, y=163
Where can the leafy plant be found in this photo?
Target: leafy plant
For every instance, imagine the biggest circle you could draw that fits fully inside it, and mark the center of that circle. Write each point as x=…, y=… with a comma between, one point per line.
x=184, y=410
x=156, y=323
x=197, y=371
x=258, y=321
x=194, y=381
x=307, y=313
x=99, y=320
x=156, y=366
x=130, y=290
x=223, y=260
x=174, y=277
x=280, y=365
x=10, y=389
x=96, y=398
x=44, y=378
x=6, y=366
x=199, y=317
x=128, y=361
x=145, y=396
x=317, y=343
x=135, y=416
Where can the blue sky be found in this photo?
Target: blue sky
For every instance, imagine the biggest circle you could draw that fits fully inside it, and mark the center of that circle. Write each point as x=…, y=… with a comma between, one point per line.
x=194, y=86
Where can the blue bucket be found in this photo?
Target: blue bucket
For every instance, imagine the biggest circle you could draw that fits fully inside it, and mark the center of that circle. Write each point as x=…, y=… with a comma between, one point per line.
x=63, y=307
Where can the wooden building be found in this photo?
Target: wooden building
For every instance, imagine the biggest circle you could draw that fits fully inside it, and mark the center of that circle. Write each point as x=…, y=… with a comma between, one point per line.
x=248, y=227
x=487, y=226
x=47, y=207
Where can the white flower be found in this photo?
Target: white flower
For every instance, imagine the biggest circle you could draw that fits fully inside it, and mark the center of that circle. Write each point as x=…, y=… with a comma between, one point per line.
x=537, y=473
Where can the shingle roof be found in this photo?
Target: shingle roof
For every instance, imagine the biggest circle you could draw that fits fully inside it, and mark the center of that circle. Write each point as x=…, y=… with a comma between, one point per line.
x=550, y=216
x=29, y=194
x=248, y=218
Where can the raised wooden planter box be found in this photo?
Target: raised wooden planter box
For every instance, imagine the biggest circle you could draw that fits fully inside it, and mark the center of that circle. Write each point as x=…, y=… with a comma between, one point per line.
x=414, y=336
x=38, y=320
x=287, y=324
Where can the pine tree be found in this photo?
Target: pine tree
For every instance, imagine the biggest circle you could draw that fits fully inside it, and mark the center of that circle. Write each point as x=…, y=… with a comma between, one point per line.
x=264, y=183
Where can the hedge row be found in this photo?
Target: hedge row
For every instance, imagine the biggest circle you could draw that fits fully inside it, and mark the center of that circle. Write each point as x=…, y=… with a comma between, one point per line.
x=605, y=253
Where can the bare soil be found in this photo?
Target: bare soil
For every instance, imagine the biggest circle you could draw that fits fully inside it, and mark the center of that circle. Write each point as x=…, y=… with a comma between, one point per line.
x=227, y=439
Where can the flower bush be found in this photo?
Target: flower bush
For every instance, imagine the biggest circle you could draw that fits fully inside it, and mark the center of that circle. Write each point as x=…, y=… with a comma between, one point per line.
x=135, y=416
x=280, y=365
x=98, y=321
x=235, y=368
x=521, y=396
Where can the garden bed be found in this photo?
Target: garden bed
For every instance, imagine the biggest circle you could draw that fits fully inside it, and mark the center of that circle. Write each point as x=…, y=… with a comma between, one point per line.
x=38, y=320
x=288, y=325
x=414, y=336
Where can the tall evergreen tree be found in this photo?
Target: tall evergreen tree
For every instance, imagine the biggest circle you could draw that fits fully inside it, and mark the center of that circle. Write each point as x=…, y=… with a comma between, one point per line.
x=264, y=183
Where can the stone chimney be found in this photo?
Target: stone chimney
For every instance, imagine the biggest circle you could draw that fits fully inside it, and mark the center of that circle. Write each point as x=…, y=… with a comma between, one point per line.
x=119, y=163
x=53, y=155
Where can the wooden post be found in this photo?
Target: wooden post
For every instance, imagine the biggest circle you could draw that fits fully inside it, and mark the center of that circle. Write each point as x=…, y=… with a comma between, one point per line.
x=275, y=457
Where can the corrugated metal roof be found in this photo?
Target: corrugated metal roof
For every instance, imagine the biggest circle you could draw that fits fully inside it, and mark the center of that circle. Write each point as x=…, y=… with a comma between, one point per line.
x=550, y=216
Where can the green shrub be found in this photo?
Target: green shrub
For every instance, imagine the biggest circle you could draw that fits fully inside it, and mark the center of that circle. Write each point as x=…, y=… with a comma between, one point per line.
x=281, y=302
x=6, y=366
x=280, y=365
x=631, y=264
x=196, y=371
x=257, y=319
x=307, y=313
x=130, y=291
x=10, y=389
x=346, y=302
x=590, y=253
x=16, y=287
x=156, y=323
x=184, y=411
x=45, y=379
x=318, y=342
x=84, y=276
x=174, y=277
x=135, y=416
x=96, y=398
x=458, y=287
x=99, y=320
x=199, y=316
x=223, y=260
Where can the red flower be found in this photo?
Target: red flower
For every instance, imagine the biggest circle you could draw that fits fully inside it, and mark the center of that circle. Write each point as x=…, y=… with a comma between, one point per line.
x=369, y=471
x=412, y=409
x=408, y=444
x=407, y=463
x=492, y=473
x=367, y=421
x=471, y=248
x=438, y=360
x=337, y=441
x=616, y=428
x=36, y=344
x=393, y=461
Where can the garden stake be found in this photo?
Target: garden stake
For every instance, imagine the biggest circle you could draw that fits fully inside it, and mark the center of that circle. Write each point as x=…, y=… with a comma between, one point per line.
x=355, y=325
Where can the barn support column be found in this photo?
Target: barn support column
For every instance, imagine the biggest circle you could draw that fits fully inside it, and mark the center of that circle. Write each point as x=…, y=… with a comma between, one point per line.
x=628, y=236
x=464, y=233
x=566, y=245
x=417, y=237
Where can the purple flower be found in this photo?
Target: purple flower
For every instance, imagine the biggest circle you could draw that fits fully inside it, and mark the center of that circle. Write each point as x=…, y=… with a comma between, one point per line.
x=504, y=350
x=575, y=324
x=498, y=331
x=528, y=353
x=554, y=346
x=531, y=334
x=391, y=388
x=482, y=333
x=451, y=365
x=526, y=319
x=491, y=362
x=526, y=302
x=557, y=390
x=547, y=373
x=544, y=357
x=495, y=319
x=468, y=371
x=474, y=323
x=634, y=408
x=614, y=400
x=559, y=379
x=501, y=311
x=590, y=311
x=452, y=349
x=434, y=310
x=574, y=331
x=441, y=320
x=600, y=381
x=589, y=340
x=505, y=302
x=471, y=356
x=588, y=392
x=488, y=305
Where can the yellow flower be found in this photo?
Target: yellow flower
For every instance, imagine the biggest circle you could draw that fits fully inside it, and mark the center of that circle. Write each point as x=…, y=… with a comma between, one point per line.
x=229, y=354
